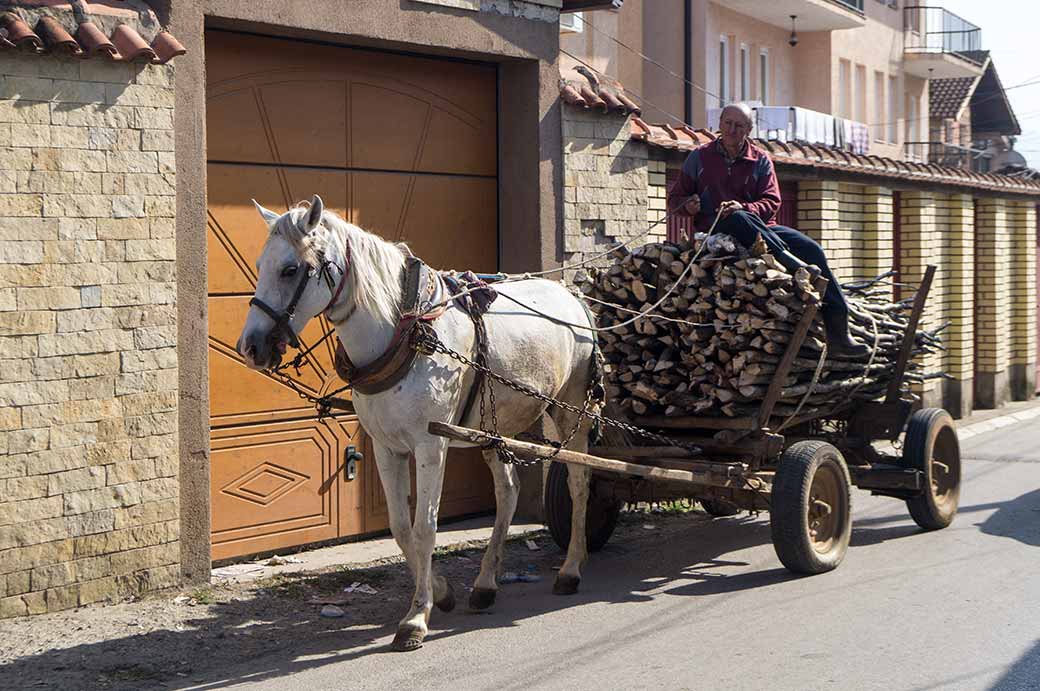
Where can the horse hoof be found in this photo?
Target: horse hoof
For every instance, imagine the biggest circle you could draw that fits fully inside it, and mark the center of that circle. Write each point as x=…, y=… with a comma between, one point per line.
x=408, y=639
x=446, y=603
x=482, y=598
x=566, y=585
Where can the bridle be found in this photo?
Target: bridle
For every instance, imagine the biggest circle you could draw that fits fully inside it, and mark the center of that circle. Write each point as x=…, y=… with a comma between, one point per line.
x=283, y=318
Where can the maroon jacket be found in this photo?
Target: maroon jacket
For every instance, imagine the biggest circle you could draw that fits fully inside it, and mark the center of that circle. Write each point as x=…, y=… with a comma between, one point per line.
x=750, y=180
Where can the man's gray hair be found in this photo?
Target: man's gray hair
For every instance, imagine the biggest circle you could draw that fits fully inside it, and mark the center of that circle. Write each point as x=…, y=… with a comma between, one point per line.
x=744, y=110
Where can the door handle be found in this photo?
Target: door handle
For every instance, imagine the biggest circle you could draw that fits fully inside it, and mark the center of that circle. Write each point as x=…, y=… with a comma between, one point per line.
x=351, y=457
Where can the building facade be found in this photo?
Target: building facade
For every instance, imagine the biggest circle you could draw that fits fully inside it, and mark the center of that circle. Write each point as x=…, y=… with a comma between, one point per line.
x=135, y=448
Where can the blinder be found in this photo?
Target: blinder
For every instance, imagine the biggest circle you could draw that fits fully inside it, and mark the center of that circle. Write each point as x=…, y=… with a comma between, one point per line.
x=282, y=320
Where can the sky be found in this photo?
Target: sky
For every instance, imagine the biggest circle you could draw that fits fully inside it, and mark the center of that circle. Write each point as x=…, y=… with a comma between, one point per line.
x=1009, y=32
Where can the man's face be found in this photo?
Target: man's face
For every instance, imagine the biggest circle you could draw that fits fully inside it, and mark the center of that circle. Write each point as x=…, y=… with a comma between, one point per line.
x=735, y=128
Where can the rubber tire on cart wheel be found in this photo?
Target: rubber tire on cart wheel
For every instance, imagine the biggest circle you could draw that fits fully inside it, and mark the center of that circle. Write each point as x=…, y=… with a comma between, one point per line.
x=719, y=508
x=931, y=445
x=601, y=513
x=811, y=508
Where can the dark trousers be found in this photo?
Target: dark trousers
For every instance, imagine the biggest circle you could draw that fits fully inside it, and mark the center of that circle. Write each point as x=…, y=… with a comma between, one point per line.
x=745, y=227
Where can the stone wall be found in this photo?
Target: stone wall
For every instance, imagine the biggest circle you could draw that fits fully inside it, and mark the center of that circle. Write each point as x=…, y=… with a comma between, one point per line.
x=88, y=376
x=605, y=194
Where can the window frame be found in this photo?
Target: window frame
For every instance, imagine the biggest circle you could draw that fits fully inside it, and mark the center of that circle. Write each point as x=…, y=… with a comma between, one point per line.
x=765, y=77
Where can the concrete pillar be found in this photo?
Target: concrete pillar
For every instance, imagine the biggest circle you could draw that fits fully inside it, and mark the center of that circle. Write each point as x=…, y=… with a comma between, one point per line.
x=920, y=244
x=993, y=268
x=958, y=228
x=1022, y=372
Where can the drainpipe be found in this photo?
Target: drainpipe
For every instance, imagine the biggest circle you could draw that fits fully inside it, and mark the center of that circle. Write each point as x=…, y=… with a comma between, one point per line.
x=688, y=62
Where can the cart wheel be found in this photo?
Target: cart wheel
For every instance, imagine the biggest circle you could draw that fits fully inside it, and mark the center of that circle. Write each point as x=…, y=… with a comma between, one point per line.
x=811, y=508
x=931, y=445
x=719, y=508
x=601, y=513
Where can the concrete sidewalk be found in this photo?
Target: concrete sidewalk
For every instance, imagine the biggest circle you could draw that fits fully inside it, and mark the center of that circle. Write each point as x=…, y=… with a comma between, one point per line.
x=469, y=530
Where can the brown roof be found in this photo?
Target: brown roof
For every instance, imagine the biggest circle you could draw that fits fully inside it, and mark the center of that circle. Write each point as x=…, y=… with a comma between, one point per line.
x=947, y=97
x=85, y=30
x=810, y=156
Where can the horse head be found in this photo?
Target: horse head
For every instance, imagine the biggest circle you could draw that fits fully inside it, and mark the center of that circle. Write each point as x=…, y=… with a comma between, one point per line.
x=297, y=278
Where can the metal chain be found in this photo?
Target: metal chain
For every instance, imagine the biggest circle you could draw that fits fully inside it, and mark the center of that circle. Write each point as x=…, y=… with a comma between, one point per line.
x=425, y=341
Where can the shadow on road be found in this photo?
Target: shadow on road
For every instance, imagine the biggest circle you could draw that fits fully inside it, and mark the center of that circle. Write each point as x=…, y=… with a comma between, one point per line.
x=275, y=632
x=1024, y=674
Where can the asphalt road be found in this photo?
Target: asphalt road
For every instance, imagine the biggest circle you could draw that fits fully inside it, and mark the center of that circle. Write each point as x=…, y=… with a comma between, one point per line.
x=954, y=609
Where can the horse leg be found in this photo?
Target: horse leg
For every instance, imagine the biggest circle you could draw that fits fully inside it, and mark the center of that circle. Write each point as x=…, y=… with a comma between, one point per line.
x=506, y=493
x=578, y=476
x=429, y=479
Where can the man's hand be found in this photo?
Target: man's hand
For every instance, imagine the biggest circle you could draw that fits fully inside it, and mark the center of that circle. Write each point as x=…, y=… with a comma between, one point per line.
x=727, y=208
x=693, y=205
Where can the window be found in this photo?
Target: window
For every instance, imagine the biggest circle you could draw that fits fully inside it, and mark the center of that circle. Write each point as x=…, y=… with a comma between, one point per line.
x=745, y=73
x=893, y=110
x=845, y=89
x=911, y=125
x=723, y=70
x=572, y=22
x=763, y=76
x=878, y=118
x=860, y=113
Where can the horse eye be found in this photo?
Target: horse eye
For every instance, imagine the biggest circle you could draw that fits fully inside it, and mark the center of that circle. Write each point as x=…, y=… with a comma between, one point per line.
x=290, y=271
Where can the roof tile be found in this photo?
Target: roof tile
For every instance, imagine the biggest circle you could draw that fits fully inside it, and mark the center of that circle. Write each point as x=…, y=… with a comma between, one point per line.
x=50, y=34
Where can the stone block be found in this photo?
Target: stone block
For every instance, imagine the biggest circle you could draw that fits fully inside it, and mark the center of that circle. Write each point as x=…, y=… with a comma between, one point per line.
x=77, y=205
x=54, y=298
x=162, y=207
x=152, y=447
x=25, y=111
x=148, y=360
x=145, y=403
x=128, y=206
x=86, y=319
x=125, y=295
x=23, y=488
x=78, y=434
x=69, y=137
x=21, y=205
x=148, y=425
x=26, y=323
x=102, y=498
x=130, y=471
x=94, y=523
x=75, y=480
x=147, y=118
x=14, y=606
x=44, y=577
x=99, y=590
x=113, y=183
x=151, y=250
x=29, y=135
x=144, y=558
x=33, y=393
x=147, y=513
x=123, y=229
x=90, y=296
x=18, y=583
x=99, y=391
x=68, y=160
x=138, y=95
x=65, y=597
x=26, y=441
x=76, y=229
x=157, y=140
x=30, y=510
x=85, y=343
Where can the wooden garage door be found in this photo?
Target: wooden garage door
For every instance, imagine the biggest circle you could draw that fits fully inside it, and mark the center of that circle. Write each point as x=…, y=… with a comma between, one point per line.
x=400, y=145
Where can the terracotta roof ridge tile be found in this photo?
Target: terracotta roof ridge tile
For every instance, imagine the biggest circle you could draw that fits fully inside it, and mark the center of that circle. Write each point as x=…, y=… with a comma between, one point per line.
x=592, y=99
x=632, y=107
x=56, y=38
x=571, y=96
x=94, y=42
x=18, y=33
x=643, y=128
x=131, y=46
x=167, y=47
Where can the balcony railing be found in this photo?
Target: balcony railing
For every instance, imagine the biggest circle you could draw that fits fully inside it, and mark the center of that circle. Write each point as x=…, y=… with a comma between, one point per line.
x=936, y=30
x=856, y=5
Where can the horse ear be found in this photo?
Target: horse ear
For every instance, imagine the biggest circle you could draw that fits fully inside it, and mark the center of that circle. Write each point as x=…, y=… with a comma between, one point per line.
x=314, y=215
x=269, y=216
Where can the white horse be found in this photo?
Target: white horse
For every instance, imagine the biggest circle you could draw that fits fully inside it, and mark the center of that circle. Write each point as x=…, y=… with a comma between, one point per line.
x=357, y=279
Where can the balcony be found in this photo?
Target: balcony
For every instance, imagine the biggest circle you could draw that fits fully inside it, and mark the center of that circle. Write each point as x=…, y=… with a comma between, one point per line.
x=938, y=44
x=813, y=15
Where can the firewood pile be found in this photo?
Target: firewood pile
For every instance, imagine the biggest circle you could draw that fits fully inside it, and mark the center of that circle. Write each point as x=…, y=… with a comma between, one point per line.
x=726, y=316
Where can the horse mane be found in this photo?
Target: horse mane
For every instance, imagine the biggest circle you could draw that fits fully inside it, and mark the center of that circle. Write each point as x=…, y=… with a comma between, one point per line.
x=376, y=265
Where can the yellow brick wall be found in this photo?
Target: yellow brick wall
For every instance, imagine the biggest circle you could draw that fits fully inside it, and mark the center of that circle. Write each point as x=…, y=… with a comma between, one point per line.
x=873, y=253
x=849, y=242
x=656, y=193
x=1022, y=222
x=921, y=244
x=819, y=207
x=958, y=229
x=993, y=268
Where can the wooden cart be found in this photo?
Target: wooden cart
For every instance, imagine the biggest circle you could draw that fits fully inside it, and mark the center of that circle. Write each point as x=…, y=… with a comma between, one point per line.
x=802, y=476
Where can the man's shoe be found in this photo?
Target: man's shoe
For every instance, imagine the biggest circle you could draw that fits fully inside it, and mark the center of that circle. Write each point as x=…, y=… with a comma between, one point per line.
x=839, y=342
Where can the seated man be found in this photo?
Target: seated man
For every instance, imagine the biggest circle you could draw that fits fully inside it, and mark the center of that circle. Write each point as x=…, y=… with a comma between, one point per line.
x=733, y=175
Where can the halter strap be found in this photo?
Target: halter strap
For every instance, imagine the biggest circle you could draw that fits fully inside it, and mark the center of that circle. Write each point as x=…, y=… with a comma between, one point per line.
x=339, y=289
